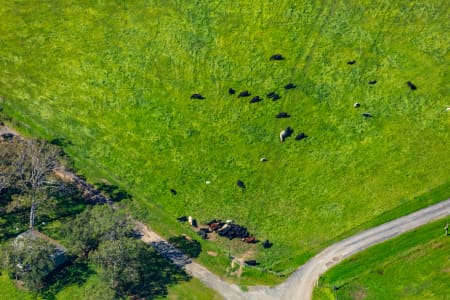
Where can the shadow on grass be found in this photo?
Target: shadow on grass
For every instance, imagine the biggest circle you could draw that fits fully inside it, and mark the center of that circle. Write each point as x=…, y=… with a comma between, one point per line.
x=74, y=272
x=115, y=193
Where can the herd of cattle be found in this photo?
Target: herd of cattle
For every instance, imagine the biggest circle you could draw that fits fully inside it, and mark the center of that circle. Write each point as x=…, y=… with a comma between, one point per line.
x=226, y=229
x=229, y=229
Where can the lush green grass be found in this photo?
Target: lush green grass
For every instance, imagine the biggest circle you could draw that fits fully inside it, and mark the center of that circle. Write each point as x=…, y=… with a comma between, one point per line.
x=191, y=290
x=10, y=291
x=415, y=265
x=115, y=80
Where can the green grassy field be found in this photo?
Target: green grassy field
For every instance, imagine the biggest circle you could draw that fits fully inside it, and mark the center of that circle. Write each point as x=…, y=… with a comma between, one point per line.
x=115, y=78
x=89, y=290
x=412, y=266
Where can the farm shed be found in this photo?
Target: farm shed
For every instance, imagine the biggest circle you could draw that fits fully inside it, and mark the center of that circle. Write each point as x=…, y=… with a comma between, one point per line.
x=58, y=257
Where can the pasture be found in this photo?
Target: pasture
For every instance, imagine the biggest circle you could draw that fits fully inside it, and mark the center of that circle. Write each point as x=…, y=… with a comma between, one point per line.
x=414, y=265
x=115, y=79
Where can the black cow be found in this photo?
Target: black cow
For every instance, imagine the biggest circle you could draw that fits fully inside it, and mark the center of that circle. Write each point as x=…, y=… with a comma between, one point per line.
x=182, y=219
x=289, y=86
x=286, y=133
x=255, y=99
x=174, y=192
x=352, y=62
x=251, y=262
x=411, y=86
x=282, y=115
x=277, y=57
x=276, y=97
x=244, y=94
x=367, y=115
x=301, y=136
x=197, y=96
x=231, y=91
x=240, y=184
x=372, y=82
x=266, y=244
x=270, y=95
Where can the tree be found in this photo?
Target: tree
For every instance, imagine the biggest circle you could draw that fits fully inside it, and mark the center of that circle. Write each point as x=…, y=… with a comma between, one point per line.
x=132, y=268
x=26, y=166
x=37, y=162
x=95, y=225
x=29, y=260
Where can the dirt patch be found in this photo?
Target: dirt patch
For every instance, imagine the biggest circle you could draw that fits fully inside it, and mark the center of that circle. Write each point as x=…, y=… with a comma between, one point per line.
x=212, y=253
x=241, y=262
x=359, y=293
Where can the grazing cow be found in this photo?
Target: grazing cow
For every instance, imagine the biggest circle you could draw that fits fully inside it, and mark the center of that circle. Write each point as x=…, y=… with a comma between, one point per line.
x=277, y=57
x=174, y=192
x=270, y=95
x=197, y=96
x=282, y=115
x=244, y=94
x=289, y=86
x=275, y=97
x=367, y=115
x=223, y=227
x=372, y=82
x=231, y=91
x=251, y=262
x=214, y=226
x=266, y=244
x=249, y=240
x=286, y=133
x=182, y=219
x=352, y=62
x=192, y=221
x=411, y=86
x=255, y=99
x=263, y=159
x=301, y=136
x=240, y=184
x=356, y=105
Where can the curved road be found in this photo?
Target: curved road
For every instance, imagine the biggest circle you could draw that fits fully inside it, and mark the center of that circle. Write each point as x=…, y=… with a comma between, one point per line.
x=301, y=283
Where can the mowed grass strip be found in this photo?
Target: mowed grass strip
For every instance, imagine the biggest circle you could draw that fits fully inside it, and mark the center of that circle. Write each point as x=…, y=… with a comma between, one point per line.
x=414, y=265
x=116, y=78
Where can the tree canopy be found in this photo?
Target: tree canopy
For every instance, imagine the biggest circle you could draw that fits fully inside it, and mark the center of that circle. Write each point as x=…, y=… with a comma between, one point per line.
x=29, y=260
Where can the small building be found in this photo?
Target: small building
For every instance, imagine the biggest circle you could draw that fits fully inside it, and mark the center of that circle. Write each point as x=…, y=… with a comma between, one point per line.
x=58, y=257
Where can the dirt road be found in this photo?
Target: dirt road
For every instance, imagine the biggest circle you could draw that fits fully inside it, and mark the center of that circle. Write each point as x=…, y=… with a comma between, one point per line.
x=301, y=283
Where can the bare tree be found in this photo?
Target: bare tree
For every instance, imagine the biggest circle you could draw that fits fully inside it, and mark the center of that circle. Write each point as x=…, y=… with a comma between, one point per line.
x=26, y=166
x=36, y=163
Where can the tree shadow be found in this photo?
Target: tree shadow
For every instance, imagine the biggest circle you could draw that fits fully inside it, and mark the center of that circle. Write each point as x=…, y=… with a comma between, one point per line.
x=61, y=142
x=74, y=272
x=115, y=193
x=159, y=273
